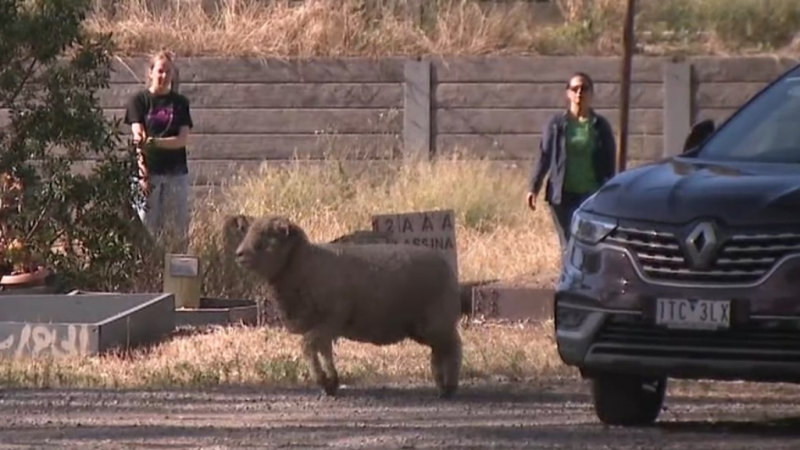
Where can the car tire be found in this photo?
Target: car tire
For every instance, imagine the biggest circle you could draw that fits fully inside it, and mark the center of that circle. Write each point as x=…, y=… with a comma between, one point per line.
x=627, y=400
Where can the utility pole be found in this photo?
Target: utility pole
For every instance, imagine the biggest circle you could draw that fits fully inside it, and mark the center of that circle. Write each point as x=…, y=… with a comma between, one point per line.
x=625, y=87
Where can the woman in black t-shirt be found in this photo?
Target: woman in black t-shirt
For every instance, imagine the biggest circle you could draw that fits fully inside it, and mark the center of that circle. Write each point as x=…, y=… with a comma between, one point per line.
x=160, y=120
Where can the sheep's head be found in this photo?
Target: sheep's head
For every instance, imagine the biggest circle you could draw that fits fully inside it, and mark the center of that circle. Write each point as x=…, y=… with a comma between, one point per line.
x=234, y=228
x=268, y=245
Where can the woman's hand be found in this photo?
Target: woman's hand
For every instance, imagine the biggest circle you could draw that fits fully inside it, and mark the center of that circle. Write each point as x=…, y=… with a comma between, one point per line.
x=531, y=201
x=144, y=185
x=144, y=176
x=170, y=143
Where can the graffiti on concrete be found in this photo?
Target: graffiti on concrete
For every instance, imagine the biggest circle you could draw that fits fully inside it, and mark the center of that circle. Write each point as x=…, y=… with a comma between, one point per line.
x=55, y=340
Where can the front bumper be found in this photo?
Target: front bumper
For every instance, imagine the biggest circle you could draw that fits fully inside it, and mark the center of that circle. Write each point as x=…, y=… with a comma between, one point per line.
x=604, y=323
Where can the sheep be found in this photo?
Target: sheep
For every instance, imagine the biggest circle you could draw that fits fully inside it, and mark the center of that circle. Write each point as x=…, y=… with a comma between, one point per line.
x=373, y=293
x=235, y=227
x=364, y=237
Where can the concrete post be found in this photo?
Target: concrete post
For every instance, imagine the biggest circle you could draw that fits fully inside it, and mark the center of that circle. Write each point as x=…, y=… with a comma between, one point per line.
x=417, y=109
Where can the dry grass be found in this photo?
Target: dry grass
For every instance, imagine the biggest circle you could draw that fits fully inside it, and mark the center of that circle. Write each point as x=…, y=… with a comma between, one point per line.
x=384, y=27
x=270, y=357
x=497, y=236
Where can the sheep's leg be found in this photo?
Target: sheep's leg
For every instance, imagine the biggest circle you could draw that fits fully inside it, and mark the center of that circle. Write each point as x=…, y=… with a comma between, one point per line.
x=324, y=374
x=446, y=362
x=436, y=369
x=331, y=376
x=310, y=353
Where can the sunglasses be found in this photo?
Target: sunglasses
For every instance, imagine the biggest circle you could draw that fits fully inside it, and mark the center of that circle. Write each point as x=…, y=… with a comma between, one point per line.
x=579, y=87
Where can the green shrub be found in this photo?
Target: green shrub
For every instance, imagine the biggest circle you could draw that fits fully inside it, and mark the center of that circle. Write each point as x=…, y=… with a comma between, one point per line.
x=75, y=215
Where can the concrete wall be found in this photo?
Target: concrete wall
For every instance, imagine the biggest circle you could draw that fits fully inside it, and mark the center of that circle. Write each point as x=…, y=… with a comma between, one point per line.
x=249, y=110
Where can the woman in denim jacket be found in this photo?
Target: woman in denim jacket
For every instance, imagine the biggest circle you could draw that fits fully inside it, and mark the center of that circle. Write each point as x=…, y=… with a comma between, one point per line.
x=577, y=156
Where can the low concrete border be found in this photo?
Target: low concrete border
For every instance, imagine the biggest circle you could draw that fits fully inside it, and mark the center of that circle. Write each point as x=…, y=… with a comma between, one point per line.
x=512, y=301
x=82, y=325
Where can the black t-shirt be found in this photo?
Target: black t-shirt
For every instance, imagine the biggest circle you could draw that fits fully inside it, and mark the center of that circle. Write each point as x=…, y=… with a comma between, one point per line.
x=161, y=116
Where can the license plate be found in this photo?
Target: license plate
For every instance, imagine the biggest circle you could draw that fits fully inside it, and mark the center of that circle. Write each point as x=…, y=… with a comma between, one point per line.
x=693, y=314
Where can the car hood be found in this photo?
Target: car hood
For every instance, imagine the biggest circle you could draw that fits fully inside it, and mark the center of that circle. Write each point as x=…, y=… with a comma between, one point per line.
x=679, y=190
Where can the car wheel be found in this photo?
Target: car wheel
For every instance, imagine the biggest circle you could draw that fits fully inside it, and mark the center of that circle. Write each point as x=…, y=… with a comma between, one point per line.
x=627, y=400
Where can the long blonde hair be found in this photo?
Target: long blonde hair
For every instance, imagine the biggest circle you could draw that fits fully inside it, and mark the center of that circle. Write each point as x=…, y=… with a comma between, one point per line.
x=163, y=55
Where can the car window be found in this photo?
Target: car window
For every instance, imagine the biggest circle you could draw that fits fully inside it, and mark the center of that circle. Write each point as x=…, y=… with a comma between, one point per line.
x=766, y=130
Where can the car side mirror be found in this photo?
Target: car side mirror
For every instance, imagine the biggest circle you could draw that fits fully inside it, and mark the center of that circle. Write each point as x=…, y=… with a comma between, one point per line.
x=699, y=133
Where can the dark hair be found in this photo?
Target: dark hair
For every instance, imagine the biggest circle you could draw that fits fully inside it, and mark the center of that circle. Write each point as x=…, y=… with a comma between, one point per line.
x=586, y=78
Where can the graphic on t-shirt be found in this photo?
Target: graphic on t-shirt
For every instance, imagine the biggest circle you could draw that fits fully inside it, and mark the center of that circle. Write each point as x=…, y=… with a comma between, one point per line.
x=159, y=119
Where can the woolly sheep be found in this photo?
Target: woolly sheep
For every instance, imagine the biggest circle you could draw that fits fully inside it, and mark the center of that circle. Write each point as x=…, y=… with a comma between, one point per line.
x=375, y=293
x=363, y=237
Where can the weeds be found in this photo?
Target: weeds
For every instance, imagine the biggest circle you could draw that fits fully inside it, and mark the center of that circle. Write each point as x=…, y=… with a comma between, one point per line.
x=442, y=27
x=496, y=235
x=270, y=357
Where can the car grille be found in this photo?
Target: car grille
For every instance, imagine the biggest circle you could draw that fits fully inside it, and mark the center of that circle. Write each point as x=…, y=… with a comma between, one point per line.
x=742, y=258
x=753, y=341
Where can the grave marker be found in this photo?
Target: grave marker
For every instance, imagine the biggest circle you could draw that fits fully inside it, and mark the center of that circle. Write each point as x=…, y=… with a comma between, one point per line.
x=434, y=229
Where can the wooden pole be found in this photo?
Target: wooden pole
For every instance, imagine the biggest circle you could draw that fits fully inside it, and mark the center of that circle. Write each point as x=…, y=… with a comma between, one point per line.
x=625, y=88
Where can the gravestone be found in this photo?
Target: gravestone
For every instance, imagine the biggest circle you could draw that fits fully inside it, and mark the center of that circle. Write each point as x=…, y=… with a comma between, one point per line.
x=434, y=229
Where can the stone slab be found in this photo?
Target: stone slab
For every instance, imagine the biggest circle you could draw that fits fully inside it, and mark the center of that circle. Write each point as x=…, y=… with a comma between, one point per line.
x=433, y=229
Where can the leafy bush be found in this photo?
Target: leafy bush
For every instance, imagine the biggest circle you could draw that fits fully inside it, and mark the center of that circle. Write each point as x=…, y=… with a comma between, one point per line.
x=76, y=176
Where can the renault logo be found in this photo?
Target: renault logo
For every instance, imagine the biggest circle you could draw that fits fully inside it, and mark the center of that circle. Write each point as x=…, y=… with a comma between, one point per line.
x=700, y=245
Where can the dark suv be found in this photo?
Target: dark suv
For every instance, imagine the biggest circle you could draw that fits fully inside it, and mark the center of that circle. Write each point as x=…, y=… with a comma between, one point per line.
x=690, y=267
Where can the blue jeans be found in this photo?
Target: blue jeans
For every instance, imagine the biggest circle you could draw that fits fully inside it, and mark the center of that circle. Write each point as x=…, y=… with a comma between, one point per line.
x=166, y=210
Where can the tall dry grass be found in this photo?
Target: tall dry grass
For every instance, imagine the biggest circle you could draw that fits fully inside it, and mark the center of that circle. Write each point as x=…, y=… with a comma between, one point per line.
x=442, y=27
x=497, y=236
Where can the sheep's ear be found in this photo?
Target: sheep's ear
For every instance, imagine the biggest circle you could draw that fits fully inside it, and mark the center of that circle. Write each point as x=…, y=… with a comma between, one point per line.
x=294, y=230
x=289, y=230
x=282, y=226
x=239, y=222
x=243, y=222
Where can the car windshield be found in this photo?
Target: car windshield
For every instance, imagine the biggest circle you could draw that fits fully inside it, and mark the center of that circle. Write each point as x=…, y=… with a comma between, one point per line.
x=766, y=130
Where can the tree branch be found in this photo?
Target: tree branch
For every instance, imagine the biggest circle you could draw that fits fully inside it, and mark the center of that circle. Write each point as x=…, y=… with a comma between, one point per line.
x=42, y=215
x=28, y=72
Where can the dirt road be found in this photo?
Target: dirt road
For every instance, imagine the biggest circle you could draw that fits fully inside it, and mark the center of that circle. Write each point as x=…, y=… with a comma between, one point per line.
x=507, y=415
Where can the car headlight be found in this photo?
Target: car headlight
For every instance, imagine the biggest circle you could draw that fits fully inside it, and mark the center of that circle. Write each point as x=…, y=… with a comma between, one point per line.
x=590, y=228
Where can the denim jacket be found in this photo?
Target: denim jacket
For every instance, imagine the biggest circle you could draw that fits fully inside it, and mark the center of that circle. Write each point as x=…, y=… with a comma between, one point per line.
x=552, y=159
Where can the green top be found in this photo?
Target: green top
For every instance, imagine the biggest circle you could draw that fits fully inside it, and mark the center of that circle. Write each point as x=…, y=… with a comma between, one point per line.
x=580, y=177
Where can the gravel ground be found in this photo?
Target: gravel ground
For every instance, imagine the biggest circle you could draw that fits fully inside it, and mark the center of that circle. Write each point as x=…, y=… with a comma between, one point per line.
x=505, y=415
